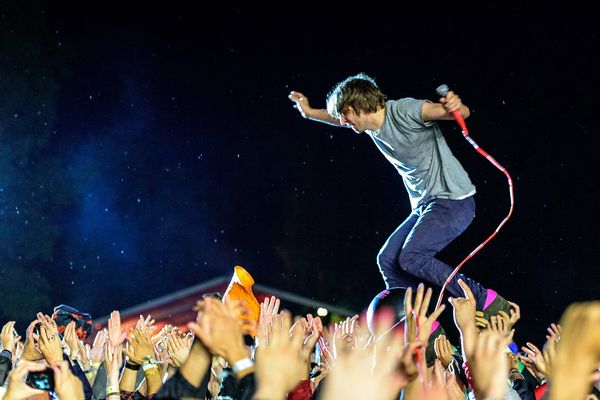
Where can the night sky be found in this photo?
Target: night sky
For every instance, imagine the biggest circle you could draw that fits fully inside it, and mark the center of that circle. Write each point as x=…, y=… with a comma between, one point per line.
x=144, y=152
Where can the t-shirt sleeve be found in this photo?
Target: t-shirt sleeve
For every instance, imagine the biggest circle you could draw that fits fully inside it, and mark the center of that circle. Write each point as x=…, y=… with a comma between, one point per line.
x=408, y=114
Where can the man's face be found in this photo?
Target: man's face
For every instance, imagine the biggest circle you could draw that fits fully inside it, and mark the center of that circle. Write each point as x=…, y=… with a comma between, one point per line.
x=354, y=120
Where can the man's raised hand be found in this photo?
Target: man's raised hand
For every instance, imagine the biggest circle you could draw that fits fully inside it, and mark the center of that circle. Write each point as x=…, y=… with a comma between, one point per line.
x=300, y=103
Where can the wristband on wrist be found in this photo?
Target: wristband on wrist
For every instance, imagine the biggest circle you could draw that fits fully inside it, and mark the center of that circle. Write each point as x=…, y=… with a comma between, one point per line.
x=151, y=371
x=242, y=364
x=129, y=365
x=148, y=365
x=113, y=394
x=112, y=389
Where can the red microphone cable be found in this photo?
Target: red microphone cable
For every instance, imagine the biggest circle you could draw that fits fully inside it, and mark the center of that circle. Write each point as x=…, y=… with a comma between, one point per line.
x=442, y=90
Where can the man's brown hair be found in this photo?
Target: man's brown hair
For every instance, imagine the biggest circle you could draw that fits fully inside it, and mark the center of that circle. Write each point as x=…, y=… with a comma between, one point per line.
x=359, y=92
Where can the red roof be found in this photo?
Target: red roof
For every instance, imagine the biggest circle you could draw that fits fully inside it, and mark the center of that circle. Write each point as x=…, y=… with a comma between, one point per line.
x=177, y=308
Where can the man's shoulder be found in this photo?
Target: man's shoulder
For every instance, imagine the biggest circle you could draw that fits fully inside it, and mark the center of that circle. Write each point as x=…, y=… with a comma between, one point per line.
x=405, y=115
x=405, y=108
x=403, y=104
x=402, y=100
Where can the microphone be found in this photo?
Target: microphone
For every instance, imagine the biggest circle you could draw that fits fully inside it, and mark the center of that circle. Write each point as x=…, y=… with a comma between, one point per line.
x=442, y=91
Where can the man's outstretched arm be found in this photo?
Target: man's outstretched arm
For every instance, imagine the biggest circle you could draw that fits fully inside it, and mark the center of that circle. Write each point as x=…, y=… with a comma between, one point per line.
x=316, y=114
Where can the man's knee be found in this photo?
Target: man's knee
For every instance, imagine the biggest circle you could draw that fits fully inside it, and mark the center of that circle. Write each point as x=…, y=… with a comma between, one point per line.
x=411, y=261
x=385, y=257
x=387, y=264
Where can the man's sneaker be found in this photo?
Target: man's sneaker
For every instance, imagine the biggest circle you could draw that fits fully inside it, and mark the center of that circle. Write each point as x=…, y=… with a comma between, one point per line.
x=494, y=303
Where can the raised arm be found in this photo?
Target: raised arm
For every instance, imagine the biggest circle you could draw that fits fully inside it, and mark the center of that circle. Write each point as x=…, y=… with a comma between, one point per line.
x=316, y=114
x=444, y=109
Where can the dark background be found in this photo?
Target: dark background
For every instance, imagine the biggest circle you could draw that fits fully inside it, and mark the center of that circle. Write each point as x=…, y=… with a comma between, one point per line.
x=146, y=150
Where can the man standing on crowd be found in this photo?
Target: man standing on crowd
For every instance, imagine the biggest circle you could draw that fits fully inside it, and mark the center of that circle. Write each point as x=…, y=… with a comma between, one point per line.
x=440, y=191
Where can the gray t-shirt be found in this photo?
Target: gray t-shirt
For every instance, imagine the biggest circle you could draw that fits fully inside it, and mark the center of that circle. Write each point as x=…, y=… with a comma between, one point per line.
x=419, y=152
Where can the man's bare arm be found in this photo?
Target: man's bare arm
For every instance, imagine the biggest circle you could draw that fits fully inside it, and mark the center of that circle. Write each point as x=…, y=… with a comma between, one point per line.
x=316, y=114
x=444, y=109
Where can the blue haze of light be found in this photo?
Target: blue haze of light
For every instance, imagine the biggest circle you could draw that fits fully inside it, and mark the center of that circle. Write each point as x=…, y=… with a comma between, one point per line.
x=146, y=218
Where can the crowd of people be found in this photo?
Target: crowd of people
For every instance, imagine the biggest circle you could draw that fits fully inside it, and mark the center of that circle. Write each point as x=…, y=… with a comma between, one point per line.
x=226, y=353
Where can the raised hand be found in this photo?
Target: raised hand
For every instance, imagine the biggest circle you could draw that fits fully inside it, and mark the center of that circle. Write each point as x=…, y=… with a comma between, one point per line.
x=146, y=324
x=354, y=377
x=417, y=313
x=48, y=323
x=97, y=350
x=178, y=348
x=31, y=351
x=312, y=328
x=534, y=361
x=113, y=359
x=268, y=309
x=345, y=338
x=219, y=331
x=160, y=339
x=452, y=388
x=464, y=318
x=481, y=322
x=283, y=363
x=139, y=347
x=8, y=338
x=240, y=311
x=464, y=307
x=115, y=334
x=300, y=103
x=50, y=344
x=408, y=362
x=509, y=320
x=554, y=331
x=443, y=350
x=500, y=324
x=515, y=314
x=488, y=365
x=84, y=356
x=314, y=323
x=321, y=371
x=443, y=384
x=303, y=326
x=71, y=340
x=364, y=338
x=17, y=389
x=532, y=354
x=67, y=385
x=163, y=357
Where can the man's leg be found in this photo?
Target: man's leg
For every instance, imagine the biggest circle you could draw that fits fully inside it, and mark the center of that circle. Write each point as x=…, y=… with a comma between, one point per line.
x=438, y=224
x=387, y=259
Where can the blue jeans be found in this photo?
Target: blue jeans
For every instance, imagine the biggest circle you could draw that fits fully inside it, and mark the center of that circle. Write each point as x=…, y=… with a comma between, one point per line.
x=407, y=257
